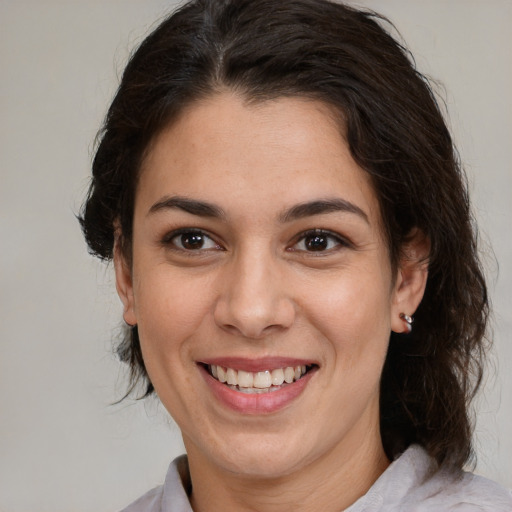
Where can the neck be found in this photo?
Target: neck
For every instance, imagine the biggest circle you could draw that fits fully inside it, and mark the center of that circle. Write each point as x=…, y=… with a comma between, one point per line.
x=331, y=483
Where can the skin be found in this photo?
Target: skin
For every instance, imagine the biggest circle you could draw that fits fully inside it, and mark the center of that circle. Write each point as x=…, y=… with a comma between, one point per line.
x=255, y=289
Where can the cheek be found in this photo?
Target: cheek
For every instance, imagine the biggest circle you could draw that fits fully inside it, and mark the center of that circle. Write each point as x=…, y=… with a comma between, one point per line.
x=170, y=310
x=350, y=305
x=352, y=314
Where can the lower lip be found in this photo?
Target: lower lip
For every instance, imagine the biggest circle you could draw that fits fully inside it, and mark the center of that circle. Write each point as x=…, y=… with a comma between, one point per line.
x=257, y=403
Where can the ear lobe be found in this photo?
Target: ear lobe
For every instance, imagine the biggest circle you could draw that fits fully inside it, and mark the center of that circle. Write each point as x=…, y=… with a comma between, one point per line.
x=411, y=279
x=124, y=284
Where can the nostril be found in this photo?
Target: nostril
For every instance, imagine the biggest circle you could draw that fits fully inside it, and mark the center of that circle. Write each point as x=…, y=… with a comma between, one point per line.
x=252, y=302
x=256, y=319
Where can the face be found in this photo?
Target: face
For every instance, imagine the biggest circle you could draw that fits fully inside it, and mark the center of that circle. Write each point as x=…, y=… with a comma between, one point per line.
x=259, y=258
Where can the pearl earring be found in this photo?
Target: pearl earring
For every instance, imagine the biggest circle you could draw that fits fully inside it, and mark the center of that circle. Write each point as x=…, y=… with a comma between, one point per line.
x=408, y=321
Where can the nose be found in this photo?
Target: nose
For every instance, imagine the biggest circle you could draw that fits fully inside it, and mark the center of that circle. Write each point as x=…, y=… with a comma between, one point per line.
x=254, y=299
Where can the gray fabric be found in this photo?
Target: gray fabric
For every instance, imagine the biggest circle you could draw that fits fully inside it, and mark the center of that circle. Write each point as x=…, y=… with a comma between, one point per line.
x=411, y=483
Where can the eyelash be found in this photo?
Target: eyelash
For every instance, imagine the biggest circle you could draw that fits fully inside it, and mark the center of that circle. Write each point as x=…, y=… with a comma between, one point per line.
x=169, y=241
x=320, y=233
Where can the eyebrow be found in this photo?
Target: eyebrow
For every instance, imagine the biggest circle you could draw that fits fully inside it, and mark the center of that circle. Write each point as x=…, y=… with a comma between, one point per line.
x=299, y=211
x=320, y=207
x=192, y=206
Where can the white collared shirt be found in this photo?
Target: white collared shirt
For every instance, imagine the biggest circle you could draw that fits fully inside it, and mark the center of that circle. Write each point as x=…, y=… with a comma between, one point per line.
x=412, y=483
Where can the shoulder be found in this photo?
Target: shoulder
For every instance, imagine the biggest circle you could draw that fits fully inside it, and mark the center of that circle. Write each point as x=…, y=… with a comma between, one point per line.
x=149, y=502
x=172, y=496
x=440, y=489
x=414, y=483
x=464, y=492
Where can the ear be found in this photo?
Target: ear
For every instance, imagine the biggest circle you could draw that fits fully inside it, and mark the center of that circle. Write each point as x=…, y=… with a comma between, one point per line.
x=411, y=279
x=124, y=283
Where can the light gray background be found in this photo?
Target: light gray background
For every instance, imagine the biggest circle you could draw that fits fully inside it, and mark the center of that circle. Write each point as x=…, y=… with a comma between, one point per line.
x=62, y=446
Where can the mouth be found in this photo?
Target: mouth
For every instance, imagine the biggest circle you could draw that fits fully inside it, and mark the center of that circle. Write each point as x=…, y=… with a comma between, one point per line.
x=260, y=382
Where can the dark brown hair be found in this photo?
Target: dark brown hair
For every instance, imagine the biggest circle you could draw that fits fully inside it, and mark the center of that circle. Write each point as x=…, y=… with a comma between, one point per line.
x=345, y=58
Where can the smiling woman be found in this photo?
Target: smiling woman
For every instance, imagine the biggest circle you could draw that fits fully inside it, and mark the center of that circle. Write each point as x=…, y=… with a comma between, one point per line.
x=277, y=244
x=280, y=196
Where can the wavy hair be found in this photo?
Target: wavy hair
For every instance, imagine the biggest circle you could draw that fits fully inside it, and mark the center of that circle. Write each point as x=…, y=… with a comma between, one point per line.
x=395, y=130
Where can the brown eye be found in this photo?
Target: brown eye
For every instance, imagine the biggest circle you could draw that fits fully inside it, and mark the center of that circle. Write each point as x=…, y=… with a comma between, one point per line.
x=191, y=241
x=318, y=241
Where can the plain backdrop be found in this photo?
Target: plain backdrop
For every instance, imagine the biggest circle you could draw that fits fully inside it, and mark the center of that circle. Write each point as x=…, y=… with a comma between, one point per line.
x=63, y=447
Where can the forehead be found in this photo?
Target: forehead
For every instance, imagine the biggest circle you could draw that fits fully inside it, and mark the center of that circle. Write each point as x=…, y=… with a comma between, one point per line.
x=270, y=154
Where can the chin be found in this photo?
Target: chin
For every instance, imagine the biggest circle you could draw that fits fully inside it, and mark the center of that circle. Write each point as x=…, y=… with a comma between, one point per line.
x=263, y=456
x=264, y=464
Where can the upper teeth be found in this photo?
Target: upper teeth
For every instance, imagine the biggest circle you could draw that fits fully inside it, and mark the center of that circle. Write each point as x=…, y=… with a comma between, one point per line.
x=261, y=380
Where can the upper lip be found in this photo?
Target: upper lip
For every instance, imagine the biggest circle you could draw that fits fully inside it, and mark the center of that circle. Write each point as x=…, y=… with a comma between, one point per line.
x=256, y=365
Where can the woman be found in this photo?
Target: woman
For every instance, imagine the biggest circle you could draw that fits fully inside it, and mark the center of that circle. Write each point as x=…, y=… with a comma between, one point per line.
x=281, y=197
